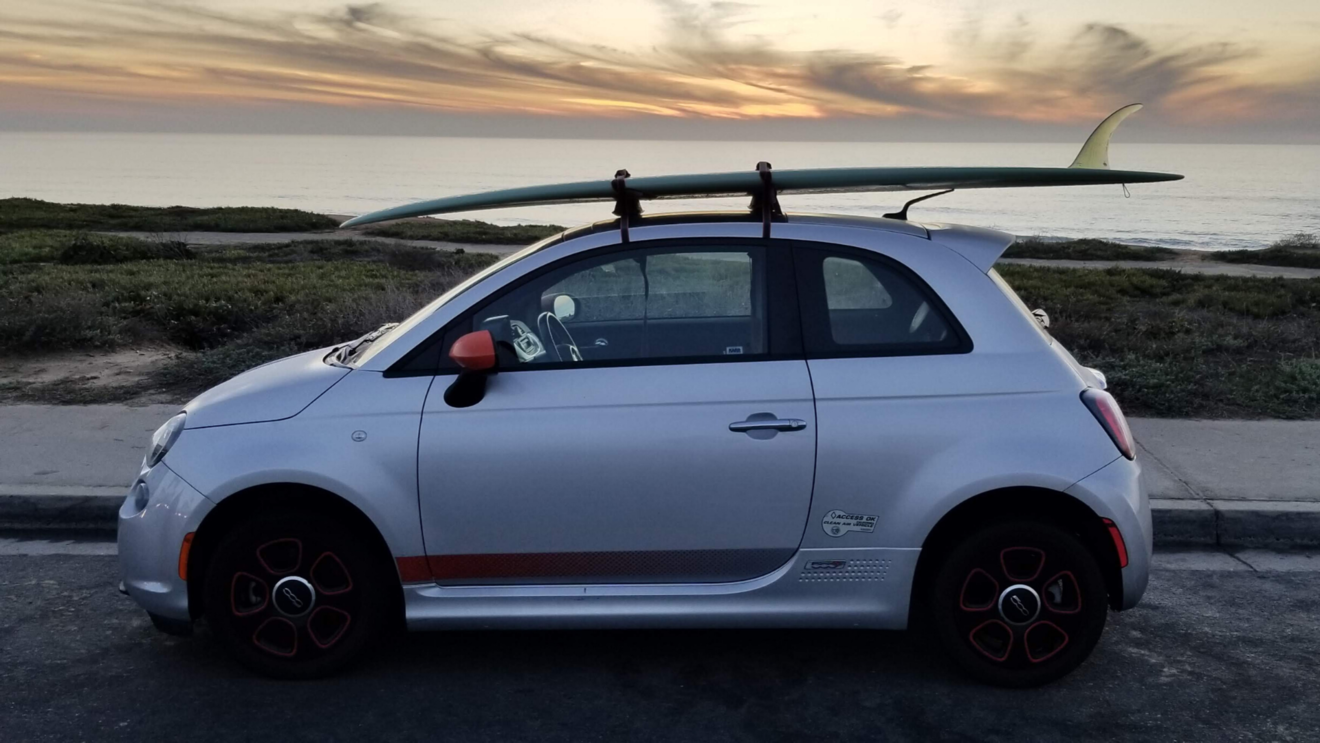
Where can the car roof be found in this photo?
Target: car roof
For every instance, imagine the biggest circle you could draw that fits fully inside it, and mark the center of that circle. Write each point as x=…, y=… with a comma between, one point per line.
x=979, y=245
x=725, y=217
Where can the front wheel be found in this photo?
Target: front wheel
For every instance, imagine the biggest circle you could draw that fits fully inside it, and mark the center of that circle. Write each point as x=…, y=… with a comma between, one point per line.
x=1019, y=604
x=295, y=595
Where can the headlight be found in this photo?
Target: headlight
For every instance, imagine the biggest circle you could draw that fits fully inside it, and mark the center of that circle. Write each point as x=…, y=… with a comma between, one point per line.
x=162, y=440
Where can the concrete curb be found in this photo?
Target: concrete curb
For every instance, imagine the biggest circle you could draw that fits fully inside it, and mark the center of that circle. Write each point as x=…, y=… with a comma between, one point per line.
x=60, y=507
x=1178, y=523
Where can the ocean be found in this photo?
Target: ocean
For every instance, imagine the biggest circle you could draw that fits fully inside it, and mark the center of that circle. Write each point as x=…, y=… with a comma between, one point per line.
x=1234, y=196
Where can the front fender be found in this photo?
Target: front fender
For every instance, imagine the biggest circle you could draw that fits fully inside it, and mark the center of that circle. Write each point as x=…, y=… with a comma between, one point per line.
x=358, y=441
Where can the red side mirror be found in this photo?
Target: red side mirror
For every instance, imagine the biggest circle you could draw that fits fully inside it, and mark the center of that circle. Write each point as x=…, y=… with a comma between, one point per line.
x=474, y=351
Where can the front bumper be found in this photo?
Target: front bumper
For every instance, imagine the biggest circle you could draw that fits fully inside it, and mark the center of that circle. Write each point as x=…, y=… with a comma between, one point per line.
x=150, y=540
x=1115, y=492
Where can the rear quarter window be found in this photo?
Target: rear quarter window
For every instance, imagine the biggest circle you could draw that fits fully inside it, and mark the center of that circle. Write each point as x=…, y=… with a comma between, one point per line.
x=862, y=304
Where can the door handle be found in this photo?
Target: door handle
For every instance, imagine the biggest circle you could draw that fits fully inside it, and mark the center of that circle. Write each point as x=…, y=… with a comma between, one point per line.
x=768, y=424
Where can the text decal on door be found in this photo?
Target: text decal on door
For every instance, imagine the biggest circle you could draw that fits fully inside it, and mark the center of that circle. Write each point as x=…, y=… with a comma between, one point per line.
x=837, y=523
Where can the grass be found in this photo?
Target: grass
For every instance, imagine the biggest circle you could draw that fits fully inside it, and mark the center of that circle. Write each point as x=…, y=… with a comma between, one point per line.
x=1171, y=344
x=1301, y=250
x=33, y=214
x=465, y=231
x=1186, y=345
x=64, y=246
x=227, y=309
x=1085, y=250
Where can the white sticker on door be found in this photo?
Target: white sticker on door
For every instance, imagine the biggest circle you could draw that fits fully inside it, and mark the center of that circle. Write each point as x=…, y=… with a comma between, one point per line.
x=837, y=523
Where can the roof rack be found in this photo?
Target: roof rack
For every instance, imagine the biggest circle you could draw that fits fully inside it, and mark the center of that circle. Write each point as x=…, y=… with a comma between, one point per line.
x=627, y=204
x=766, y=201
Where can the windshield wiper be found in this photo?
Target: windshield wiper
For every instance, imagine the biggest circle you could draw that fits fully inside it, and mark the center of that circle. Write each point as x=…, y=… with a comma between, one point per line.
x=346, y=352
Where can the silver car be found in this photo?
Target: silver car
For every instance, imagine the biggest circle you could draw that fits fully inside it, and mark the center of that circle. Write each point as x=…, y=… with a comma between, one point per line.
x=854, y=423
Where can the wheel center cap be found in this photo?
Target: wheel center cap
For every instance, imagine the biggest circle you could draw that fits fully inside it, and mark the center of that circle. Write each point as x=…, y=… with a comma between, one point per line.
x=293, y=596
x=1019, y=604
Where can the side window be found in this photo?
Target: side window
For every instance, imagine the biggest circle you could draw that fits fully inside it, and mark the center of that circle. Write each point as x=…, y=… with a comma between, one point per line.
x=850, y=286
x=692, y=285
x=636, y=305
x=608, y=291
x=857, y=305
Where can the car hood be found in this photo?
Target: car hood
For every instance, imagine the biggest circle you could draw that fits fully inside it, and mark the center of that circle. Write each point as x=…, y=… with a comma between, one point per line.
x=278, y=390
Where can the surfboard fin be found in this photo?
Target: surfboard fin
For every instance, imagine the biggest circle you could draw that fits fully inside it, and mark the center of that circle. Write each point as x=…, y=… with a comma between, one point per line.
x=1095, y=153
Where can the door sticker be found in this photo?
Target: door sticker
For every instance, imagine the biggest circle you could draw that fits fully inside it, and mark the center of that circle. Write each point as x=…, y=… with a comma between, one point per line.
x=837, y=523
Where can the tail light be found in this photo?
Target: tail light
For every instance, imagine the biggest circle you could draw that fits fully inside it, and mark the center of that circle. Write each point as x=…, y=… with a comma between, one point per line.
x=1105, y=409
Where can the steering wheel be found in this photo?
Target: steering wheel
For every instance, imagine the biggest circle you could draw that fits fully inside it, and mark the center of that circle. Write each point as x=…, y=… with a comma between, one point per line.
x=557, y=337
x=525, y=343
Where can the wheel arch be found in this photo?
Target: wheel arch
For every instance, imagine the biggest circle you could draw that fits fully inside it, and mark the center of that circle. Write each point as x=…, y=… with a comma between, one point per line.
x=274, y=497
x=1054, y=506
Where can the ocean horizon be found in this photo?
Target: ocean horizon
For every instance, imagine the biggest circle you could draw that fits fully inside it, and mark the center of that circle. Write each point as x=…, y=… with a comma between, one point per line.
x=1234, y=196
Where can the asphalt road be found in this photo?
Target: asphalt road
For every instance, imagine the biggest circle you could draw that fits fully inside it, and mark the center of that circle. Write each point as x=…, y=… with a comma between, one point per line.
x=1216, y=652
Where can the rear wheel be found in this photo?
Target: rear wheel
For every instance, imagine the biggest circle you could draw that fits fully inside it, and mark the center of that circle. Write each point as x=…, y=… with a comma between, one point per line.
x=295, y=595
x=1019, y=604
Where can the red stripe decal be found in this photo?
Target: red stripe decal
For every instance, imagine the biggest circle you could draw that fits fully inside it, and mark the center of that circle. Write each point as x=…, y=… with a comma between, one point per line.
x=413, y=569
x=645, y=566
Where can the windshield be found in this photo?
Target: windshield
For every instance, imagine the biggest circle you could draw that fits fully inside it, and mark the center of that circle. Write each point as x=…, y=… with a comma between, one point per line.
x=398, y=331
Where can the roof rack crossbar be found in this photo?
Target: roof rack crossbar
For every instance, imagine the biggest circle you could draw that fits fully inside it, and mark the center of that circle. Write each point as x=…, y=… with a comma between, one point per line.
x=766, y=201
x=627, y=205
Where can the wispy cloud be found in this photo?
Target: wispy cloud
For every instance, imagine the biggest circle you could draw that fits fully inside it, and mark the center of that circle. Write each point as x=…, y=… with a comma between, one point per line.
x=707, y=65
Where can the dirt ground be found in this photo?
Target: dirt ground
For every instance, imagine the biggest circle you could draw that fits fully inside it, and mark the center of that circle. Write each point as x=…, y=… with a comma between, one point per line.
x=85, y=368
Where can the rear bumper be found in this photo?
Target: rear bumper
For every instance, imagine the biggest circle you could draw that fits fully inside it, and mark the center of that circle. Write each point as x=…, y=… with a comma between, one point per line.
x=150, y=540
x=1115, y=492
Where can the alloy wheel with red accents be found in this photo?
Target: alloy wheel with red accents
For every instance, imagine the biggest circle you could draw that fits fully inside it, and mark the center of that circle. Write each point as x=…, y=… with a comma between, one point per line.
x=1020, y=603
x=294, y=595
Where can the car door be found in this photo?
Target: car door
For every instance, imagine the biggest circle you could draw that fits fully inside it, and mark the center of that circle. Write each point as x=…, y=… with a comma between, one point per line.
x=890, y=374
x=679, y=447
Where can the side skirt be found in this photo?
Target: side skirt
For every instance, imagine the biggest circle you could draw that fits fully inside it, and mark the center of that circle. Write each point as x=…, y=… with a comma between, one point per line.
x=817, y=588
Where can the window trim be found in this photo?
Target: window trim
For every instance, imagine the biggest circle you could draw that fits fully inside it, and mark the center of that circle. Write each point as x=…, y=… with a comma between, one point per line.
x=783, y=317
x=818, y=338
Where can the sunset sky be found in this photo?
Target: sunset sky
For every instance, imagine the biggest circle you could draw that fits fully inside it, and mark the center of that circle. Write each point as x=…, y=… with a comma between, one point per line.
x=940, y=70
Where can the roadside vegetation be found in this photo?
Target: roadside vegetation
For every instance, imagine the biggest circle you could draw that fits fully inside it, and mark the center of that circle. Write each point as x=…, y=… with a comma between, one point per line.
x=1301, y=250
x=64, y=246
x=33, y=214
x=1187, y=345
x=1171, y=344
x=222, y=310
x=1085, y=250
x=464, y=231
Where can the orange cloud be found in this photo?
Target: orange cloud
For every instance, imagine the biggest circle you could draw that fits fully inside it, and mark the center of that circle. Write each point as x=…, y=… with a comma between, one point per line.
x=363, y=56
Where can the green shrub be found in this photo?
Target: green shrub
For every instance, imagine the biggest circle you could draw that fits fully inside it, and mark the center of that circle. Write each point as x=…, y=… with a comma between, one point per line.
x=218, y=298
x=1187, y=345
x=1301, y=250
x=465, y=231
x=1085, y=250
x=30, y=214
x=64, y=246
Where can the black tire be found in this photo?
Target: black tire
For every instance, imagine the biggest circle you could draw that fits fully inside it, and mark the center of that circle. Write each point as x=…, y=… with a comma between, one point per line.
x=1001, y=642
x=347, y=609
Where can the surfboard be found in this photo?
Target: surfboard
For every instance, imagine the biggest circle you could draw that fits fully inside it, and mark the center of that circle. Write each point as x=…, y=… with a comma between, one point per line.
x=1088, y=169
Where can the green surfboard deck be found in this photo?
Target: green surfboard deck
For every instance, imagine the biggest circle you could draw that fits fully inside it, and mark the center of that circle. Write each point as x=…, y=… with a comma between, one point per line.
x=746, y=183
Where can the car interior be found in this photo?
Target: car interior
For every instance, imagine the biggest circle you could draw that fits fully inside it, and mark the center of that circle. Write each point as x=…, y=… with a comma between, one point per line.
x=702, y=303
x=641, y=304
